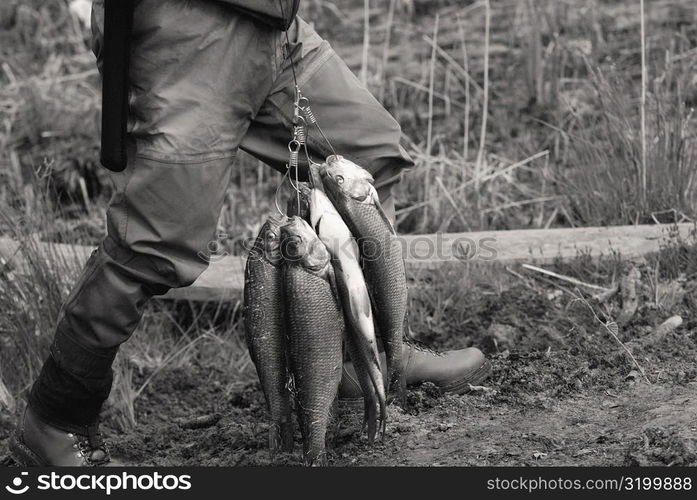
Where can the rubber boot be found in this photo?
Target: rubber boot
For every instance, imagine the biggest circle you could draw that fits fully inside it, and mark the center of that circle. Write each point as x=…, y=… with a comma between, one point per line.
x=451, y=371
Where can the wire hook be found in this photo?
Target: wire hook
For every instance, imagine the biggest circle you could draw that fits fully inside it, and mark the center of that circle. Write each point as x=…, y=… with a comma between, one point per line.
x=278, y=191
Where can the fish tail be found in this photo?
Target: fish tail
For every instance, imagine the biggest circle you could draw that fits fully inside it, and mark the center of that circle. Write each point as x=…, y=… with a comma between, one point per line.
x=370, y=419
x=286, y=436
x=367, y=366
x=315, y=452
x=281, y=433
x=378, y=388
x=317, y=460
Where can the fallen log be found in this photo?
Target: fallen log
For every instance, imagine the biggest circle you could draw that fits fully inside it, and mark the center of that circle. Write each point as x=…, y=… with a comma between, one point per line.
x=224, y=278
x=222, y=281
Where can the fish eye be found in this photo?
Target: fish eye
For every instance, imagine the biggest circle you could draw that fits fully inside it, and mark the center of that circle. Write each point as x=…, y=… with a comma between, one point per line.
x=339, y=179
x=271, y=235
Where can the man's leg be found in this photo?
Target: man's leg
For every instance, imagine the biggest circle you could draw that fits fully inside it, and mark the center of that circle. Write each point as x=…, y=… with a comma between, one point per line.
x=360, y=129
x=199, y=74
x=356, y=124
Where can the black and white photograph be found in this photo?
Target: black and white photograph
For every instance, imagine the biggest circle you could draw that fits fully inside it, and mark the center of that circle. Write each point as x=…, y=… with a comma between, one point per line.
x=348, y=233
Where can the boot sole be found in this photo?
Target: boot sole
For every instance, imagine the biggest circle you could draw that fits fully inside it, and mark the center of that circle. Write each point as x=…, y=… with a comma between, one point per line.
x=22, y=455
x=458, y=387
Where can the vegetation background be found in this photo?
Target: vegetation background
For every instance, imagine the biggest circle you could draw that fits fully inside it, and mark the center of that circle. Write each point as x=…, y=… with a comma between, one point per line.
x=533, y=119
x=519, y=114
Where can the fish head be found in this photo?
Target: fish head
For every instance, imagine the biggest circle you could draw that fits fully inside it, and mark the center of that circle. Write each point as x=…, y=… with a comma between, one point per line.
x=342, y=176
x=270, y=236
x=301, y=246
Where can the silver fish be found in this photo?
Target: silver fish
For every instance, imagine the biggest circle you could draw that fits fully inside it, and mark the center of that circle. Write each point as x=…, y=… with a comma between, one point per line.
x=361, y=340
x=265, y=329
x=351, y=191
x=315, y=327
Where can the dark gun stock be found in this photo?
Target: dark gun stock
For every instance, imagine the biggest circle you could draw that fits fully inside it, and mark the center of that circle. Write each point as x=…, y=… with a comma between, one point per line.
x=118, y=26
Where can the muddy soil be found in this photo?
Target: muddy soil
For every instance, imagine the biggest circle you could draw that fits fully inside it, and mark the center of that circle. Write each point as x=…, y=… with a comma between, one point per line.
x=632, y=425
x=563, y=391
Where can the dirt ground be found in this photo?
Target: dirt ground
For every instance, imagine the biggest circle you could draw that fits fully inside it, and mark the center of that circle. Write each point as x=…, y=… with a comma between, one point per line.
x=636, y=425
x=563, y=390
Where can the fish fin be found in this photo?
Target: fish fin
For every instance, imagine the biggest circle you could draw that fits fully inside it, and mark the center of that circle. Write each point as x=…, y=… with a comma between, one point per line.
x=287, y=438
x=370, y=419
x=378, y=206
x=249, y=342
x=371, y=295
x=373, y=303
x=331, y=278
x=337, y=275
x=407, y=332
x=315, y=215
x=359, y=303
x=363, y=305
x=281, y=437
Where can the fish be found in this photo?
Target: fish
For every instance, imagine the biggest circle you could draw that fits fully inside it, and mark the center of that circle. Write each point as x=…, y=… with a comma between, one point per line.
x=353, y=291
x=350, y=189
x=265, y=330
x=315, y=328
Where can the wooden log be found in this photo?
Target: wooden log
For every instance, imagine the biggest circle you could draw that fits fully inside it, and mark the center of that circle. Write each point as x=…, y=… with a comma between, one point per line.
x=224, y=278
x=534, y=245
x=222, y=281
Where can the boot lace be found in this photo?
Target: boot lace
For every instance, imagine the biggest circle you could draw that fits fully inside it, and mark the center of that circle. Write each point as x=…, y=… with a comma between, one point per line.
x=90, y=444
x=419, y=346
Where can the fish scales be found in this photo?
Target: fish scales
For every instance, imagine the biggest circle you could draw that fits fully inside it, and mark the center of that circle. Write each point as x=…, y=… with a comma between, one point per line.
x=384, y=267
x=349, y=188
x=265, y=332
x=315, y=331
x=351, y=285
x=370, y=398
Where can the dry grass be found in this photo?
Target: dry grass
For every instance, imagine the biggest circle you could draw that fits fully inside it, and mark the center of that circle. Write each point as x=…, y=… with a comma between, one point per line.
x=474, y=99
x=172, y=338
x=33, y=285
x=35, y=281
x=623, y=176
